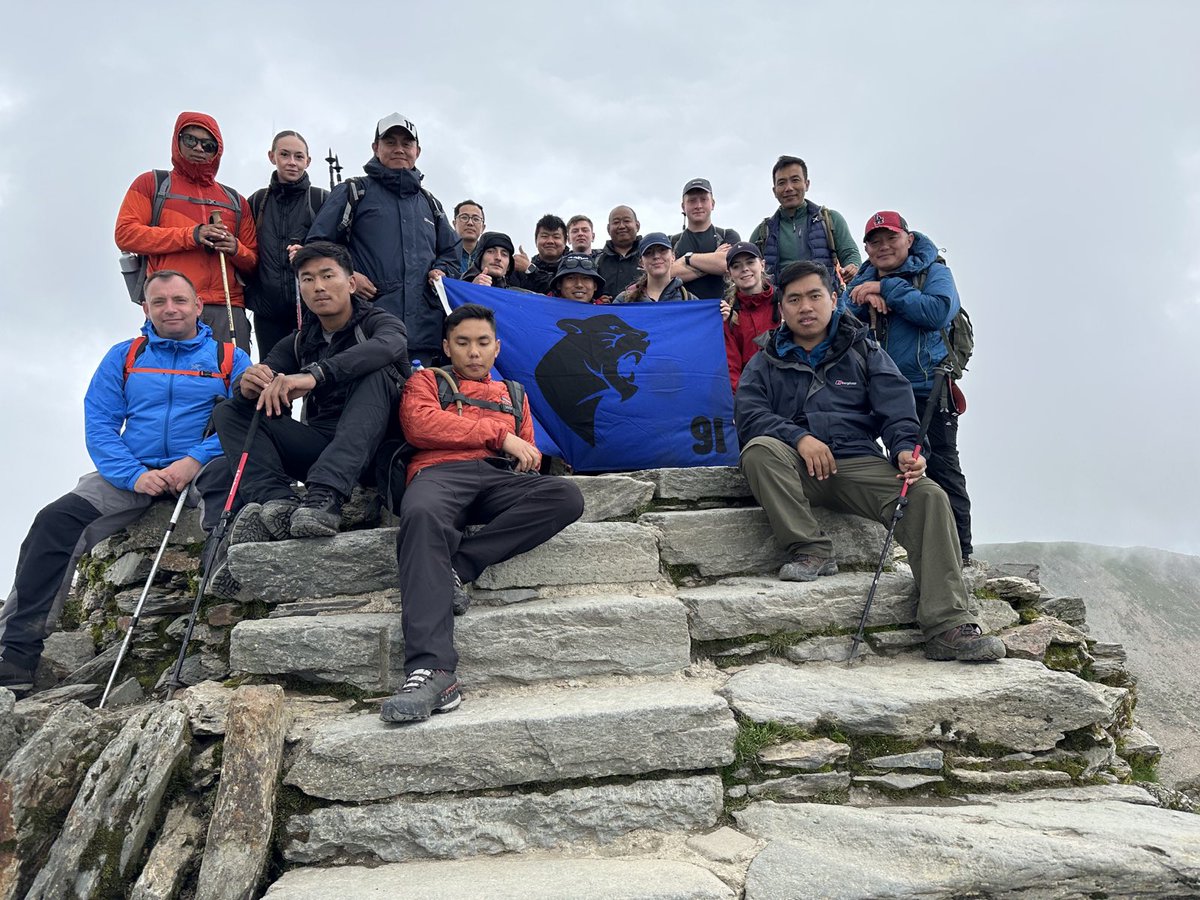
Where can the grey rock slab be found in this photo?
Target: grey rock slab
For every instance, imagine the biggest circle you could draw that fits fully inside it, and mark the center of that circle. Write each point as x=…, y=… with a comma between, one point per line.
x=1010, y=587
x=1124, y=793
x=239, y=833
x=1005, y=848
x=832, y=648
x=36, y=709
x=131, y=568
x=728, y=541
x=38, y=784
x=994, y=615
x=516, y=739
x=450, y=827
x=800, y=787
x=1136, y=742
x=919, y=759
x=807, y=756
x=1024, y=778
x=723, y=845
x=13, y=728
x=358, y=562
x=522, y=643
x=127, y=693
x=1028, y=641
x=1028, y=571
x=117, y=804
x=738, y=607
x=172, y=855
x=1071, y=610
x=892, y=642
x=159, y=602
x=507, y=878
x=700, y=483
x=147, y=532
x=96, y=670
x=1018, y=704
x=611, y=496
x=66, y=651
x=899, y=781
x=583, y=553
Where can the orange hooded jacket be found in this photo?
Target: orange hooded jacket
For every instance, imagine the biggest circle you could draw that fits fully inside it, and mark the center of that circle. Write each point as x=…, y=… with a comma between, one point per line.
x=171, y=244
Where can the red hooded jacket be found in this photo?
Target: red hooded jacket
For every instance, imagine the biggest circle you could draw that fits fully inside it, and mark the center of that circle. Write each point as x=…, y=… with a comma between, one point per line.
x=171, y=244
x=755, y=314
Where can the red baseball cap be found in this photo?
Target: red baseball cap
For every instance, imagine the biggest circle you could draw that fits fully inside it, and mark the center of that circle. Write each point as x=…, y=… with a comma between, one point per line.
x=888, y=219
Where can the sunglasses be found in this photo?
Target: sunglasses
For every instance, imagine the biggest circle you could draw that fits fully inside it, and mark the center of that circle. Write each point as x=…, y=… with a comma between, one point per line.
x=192, y=142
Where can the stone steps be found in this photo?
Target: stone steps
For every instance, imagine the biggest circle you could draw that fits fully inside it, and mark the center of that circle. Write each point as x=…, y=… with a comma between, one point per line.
x=508, y=878
x=359, y=562
x=511, y=738
x=1013, y=703
x=449, y=826
x=517, y=644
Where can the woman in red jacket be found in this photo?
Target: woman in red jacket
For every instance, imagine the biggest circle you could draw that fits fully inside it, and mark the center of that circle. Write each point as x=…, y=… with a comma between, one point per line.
x=749, y=306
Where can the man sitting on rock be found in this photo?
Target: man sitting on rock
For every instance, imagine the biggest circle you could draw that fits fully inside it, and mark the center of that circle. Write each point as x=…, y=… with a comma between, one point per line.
x=145, y=414
x=476, y=464
x=809, y=409
x=347, y=363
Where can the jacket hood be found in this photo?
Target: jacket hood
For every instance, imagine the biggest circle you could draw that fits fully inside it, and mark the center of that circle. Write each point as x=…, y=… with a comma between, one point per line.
x=203, y=334
x=403, y=182
x=289, y=188
x=844, y=330
x=201, y=173
x=491, y=239
x=921, y=256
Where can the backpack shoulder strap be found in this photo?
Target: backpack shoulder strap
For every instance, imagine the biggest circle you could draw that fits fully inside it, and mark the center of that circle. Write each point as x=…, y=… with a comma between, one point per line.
x=136, y=349
x=316, y=199
x=162, y=187
x=761, y=243
x=258, y=204
x=235, y=201
x=225, y=354
x=357, y=187
x=827, y=221
x=516, y=395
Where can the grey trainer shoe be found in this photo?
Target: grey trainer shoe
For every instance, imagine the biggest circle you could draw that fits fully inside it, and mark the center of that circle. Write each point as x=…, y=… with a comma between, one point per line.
x=966, y=643
x=425, y=692
x=459, y=596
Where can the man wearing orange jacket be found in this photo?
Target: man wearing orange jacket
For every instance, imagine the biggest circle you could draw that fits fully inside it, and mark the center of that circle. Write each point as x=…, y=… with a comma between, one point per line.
x=182, y=237
x=472, y=467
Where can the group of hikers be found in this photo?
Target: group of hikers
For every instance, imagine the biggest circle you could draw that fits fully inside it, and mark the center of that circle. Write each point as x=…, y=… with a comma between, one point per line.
x=828, y=356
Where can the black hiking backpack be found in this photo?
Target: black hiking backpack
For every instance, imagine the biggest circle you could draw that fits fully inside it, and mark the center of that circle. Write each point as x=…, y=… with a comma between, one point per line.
x=358, y=189
x=133, y=265
x=395, y=455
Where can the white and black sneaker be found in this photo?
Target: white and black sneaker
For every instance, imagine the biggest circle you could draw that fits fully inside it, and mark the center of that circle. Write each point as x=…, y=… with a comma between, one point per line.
x=459, y=597
x=425, y=692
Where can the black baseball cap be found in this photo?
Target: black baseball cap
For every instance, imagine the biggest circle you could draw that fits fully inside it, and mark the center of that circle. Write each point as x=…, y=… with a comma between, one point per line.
x=697, y=184
x=742, y=247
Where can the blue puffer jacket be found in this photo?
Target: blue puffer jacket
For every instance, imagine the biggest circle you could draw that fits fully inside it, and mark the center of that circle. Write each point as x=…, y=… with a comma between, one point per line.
x=853, y=395
x=396, y=237
x=916, y=318
x=163, y=415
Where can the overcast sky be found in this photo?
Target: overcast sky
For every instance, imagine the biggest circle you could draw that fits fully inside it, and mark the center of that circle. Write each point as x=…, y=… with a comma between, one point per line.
x=1052, y=149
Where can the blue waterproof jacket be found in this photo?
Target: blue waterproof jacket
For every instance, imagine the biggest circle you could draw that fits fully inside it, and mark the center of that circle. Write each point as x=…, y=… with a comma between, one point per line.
x=396, y=237
x=163, y=415
x=916, y=318
x=853, y=394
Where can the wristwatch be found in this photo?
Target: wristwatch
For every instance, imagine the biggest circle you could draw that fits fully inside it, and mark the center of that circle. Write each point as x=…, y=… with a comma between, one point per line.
x=687, y=259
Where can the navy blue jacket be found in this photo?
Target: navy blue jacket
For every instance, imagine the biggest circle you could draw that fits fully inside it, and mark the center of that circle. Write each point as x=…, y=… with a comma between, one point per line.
x=851, y=397
x=396, y=237
x=916, y=318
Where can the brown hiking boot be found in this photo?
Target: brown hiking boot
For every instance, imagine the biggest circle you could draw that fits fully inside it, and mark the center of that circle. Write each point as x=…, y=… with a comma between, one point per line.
x=806, y=567
x=966, y=643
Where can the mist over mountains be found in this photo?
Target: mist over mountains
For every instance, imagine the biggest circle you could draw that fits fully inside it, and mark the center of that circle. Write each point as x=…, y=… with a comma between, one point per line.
x=1148, y=600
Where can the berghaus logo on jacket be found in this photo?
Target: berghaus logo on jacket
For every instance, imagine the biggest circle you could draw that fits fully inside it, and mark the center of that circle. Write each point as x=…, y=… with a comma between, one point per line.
x=840, y=383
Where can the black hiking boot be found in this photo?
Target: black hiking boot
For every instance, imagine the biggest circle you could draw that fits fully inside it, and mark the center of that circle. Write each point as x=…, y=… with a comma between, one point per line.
x=17, y=679
x=966, y=643
x=425, y=692
x=459, y=597
x=248, y=526
x=320, y=515
x=221, y=583
x=276, y=516
x=806, y=567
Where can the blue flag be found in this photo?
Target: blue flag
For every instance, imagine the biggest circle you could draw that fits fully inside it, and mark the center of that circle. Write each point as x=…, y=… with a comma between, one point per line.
x=634, y=386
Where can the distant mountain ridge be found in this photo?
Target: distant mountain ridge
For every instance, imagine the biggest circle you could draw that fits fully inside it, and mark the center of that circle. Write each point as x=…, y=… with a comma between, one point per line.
x=1148, y=600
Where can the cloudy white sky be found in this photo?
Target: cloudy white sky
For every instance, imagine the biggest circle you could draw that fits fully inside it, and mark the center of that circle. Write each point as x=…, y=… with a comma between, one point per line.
x=1051, y=148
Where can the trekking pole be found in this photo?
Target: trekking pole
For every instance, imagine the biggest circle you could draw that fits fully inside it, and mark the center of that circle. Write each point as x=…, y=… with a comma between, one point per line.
x=897, y=513
x=137, y=610
x=210, y=551
x=215, y=219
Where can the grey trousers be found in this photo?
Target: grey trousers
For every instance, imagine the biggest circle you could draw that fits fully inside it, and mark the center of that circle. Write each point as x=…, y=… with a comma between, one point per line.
x=864, y=486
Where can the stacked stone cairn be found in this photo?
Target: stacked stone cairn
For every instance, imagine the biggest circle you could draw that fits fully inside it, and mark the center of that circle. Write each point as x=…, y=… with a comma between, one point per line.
x=647, y=713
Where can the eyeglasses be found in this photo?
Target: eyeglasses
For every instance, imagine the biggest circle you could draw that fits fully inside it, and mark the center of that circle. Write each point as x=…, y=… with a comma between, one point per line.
x=466, y=217
x=192, y=142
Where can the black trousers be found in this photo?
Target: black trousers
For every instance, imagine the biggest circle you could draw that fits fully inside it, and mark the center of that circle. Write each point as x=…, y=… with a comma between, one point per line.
x=61, y=533
x=518, y=512
x=332, y=452
x=269, y=331
x=945, y=469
